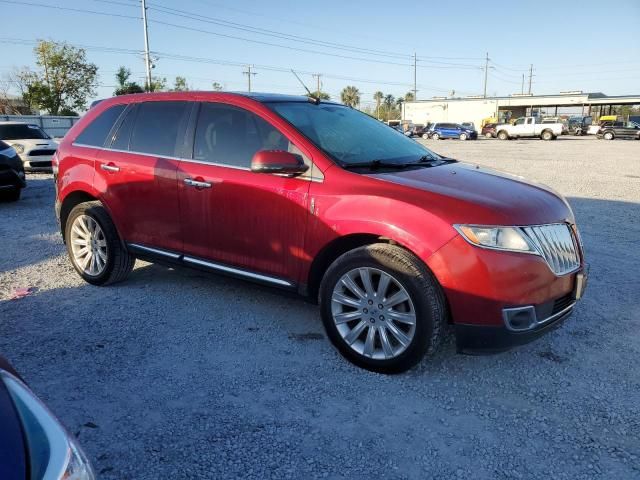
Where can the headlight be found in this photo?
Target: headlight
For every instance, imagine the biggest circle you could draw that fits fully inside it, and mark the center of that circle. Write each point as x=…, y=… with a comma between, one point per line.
x=53, y=453
x=19, y=147
x=501, y=238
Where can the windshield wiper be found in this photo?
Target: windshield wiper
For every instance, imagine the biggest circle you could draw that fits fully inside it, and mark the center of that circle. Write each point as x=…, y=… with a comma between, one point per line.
x=375, y=164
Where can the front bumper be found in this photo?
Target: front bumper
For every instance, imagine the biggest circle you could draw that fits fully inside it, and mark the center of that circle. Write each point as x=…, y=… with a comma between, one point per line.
x=37, y=163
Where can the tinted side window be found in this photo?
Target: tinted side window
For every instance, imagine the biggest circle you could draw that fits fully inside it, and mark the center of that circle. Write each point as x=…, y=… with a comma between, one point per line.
x=121, y=139
x=96, y=132
x=157, y=127
x=231, y=136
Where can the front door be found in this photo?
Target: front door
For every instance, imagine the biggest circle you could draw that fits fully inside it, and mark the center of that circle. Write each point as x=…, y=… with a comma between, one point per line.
x=232, y=217
x=137, y=174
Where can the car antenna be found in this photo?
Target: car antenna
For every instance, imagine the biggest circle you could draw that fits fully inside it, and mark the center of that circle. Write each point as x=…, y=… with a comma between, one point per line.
x=313, y=99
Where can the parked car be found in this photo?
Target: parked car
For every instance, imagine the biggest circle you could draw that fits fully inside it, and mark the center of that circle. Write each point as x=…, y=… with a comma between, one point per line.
x=613, y=130
x=469, y=125
x=579, y=125
x=12, y=179
x=489, y=130
x=393, y=240
x=33, y=443
x=450, y=130
x=33, y=144
x=529, y=127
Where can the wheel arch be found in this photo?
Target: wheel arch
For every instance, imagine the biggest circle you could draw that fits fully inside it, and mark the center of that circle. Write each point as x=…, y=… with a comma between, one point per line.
x=337, y=247
x=70, y=201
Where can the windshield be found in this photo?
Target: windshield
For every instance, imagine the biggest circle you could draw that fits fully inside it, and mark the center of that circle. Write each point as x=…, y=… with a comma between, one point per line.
x=349, y=136
x=22, y=131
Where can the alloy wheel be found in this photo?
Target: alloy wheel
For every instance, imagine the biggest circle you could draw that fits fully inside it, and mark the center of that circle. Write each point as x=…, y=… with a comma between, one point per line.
x=88, y=245
x=373, y=313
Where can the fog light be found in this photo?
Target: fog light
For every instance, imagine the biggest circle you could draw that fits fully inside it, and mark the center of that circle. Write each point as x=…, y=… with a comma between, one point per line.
x=520, y=318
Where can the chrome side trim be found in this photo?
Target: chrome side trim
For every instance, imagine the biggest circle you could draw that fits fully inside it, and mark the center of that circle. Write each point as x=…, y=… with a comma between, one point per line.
x=556, y=315
x=157, y=251
x=235, y=271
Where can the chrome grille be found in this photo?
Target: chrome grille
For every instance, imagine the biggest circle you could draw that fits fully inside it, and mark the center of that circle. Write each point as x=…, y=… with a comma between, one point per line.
x=557, y=246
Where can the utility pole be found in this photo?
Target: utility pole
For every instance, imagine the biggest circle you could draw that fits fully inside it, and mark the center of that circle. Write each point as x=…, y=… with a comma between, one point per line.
x=147, y=56
x=522, y=88
x=415, y=77
x=248, y=73
x=486, y=72
x=317, y=77
x=530, y=76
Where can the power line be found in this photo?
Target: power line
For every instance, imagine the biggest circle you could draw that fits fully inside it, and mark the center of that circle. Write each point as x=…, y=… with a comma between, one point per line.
x=68, y=9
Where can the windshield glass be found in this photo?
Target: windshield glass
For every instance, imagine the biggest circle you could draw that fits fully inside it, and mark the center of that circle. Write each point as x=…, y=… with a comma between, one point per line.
x=22, y=131
x=349, y=136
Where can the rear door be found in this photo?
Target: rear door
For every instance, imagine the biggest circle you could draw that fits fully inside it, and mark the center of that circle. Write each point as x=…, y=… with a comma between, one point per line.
x=137, y=174
x=233, y=218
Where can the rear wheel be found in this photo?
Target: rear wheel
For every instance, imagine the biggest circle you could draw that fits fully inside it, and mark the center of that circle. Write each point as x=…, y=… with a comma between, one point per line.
x=463, y=136
x=503, y=135
x=94, y=246
x=488, y=135
x=382, y=308
x=435, y=136
x=12, y=195
x=547, y=135
x=608, y=136
x=425, y=136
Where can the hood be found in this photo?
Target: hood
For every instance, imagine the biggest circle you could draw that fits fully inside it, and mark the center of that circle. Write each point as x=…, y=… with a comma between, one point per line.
x=464, y=193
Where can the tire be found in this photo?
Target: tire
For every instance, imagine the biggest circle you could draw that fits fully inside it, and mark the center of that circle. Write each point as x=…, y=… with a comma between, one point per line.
x=547, y=135
x=425, y=136
x=463, y=136
x=115, y=263
x=608, y=136
x=425, y=304
x=503, y=135
x=435, y=136
x=12, y=195
x=488, y=135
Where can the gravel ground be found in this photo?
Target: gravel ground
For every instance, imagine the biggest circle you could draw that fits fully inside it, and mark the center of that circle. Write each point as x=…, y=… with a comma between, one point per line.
x=177, y=374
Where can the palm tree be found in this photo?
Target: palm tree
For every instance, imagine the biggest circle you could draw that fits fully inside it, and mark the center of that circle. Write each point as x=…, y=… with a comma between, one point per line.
x=350, y=96
x=409, y=97
x=389, y=100
x=378, y=96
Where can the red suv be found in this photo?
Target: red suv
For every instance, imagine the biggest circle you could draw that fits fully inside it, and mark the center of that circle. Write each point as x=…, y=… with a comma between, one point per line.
x=393, y=240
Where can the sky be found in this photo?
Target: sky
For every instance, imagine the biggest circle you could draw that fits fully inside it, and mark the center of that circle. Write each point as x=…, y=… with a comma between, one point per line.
x=572, y=46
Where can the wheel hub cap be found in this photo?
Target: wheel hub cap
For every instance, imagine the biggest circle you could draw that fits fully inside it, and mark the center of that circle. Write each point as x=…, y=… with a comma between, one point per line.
x=88, y=245
x=373, y=313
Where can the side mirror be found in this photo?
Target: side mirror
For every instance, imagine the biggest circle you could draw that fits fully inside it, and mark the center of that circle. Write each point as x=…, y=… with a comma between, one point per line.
x=278, y=161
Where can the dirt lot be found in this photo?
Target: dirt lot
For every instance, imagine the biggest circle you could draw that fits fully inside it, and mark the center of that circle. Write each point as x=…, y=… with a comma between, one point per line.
x=177, y=374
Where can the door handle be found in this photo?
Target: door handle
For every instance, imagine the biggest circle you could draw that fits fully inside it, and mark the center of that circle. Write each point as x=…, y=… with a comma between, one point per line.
x=110, y=168
x=196, y=183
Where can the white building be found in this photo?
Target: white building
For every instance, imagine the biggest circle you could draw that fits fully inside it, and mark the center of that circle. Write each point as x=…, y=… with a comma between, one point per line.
x=476, y=109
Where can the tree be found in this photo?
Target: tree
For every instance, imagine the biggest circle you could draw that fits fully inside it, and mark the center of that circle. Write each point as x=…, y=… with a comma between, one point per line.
x=65, y=81
x=350, y=96
x=180, y=85
x=389, y=101
x=320, y=95
x=409, y=97
x=126, y=87
x=157, y=84
x=216, y=87
x=378, y=96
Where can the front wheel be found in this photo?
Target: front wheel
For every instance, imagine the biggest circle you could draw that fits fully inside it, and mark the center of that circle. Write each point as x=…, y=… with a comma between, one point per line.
x=94, y=246
x=463, y=136
x=503, y=135
x=382, y=308
x=435, y=136
x=425, y=136
x=608, y=136
x=488, y=135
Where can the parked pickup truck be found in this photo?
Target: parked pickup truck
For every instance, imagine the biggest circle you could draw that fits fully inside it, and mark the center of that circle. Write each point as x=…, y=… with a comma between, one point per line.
x=529, y=127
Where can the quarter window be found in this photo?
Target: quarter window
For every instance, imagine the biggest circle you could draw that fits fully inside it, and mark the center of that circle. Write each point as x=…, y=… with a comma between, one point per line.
x=157, y=128
x=231, y=136
x=95, y=134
